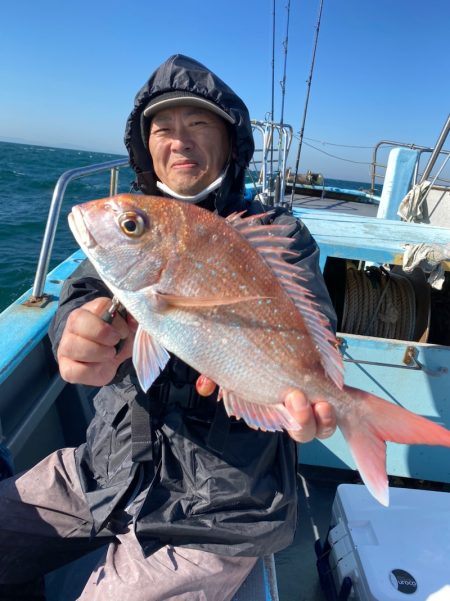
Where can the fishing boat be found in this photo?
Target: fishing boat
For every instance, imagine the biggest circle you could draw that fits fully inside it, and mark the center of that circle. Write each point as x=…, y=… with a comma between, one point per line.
x=386, y=261
x=394, y=337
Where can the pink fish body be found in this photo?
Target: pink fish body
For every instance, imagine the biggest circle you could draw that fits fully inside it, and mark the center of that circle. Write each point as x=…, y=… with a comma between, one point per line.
x=219, y=295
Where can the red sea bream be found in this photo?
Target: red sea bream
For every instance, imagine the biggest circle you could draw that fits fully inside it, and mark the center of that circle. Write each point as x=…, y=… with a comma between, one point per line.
x=219, y=294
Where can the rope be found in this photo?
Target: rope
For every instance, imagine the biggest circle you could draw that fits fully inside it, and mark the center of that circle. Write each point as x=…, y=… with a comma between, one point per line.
x=379, y=303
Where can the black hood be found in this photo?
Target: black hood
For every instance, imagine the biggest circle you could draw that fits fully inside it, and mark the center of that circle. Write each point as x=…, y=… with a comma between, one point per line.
x=182, y=73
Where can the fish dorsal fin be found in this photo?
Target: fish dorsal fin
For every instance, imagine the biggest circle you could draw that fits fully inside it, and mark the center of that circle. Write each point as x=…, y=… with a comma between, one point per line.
x=273, y=244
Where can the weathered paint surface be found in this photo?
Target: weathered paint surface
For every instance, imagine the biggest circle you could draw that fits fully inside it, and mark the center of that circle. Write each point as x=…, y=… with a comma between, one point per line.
x=23, y=327
x=367, y=238
x=380, y=369
x=424, y=391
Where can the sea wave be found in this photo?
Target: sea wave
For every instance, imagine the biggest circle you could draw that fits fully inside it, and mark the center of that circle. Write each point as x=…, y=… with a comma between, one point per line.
x=28, y=175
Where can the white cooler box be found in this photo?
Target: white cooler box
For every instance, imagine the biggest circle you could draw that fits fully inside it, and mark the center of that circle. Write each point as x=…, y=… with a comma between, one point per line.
x=398, y=553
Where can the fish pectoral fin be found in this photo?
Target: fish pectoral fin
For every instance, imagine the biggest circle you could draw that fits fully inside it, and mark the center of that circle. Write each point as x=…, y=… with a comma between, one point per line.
x=149, y=358
x=200, y=301
x=264, y=417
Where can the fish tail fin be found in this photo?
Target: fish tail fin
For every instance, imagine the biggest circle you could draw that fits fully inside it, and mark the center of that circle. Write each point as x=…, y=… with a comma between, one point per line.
x=377, y=421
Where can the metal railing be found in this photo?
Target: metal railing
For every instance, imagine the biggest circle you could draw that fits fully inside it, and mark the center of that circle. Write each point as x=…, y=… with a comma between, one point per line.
x=435, y=152
x=438, y=149
x=54, y=212
x=270, y=160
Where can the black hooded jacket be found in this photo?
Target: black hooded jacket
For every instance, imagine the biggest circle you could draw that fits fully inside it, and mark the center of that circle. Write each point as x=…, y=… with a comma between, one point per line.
x=183, y=74
x=188, y=474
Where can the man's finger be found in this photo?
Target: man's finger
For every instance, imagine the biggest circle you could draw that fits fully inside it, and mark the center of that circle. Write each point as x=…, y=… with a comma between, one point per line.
x=88, y=325
x=126, y=347
x=205, y=386
x=325, y=419
x=87, y=351
x=99, y=307
x=301, y=410
x=121, y=325
x=89, y=374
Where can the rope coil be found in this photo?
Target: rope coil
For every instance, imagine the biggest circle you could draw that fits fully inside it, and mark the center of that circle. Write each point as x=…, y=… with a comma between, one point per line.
x=379, y=303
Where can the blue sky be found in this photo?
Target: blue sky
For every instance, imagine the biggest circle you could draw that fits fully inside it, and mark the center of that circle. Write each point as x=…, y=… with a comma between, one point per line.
x=69, y=70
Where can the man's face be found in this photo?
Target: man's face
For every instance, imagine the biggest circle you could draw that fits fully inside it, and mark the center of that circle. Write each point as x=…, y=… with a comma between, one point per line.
x=189, y=147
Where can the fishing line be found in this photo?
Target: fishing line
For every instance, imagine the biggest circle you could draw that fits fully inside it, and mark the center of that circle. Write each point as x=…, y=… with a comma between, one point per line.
x=333, y=144
x=336, y=157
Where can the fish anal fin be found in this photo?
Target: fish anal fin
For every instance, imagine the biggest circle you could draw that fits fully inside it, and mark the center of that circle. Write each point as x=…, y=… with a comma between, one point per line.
x=265, y=417
x=149, y=358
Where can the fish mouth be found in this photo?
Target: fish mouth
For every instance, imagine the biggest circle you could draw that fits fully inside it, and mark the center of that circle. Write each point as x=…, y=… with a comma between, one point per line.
x=79, y=229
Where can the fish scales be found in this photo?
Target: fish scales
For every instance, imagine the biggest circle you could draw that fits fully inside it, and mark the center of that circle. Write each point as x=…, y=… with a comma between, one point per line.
x=242, y=346
x=226, y=343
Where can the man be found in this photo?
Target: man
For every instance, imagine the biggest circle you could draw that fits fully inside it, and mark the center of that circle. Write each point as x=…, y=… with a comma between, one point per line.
x=184, y=497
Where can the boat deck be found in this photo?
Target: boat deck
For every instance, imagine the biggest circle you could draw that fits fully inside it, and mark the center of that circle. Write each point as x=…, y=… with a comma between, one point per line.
x=297, y=574
x=304, y=201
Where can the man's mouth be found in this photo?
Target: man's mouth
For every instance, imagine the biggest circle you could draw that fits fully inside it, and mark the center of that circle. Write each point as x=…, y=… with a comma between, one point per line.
x=184, y=164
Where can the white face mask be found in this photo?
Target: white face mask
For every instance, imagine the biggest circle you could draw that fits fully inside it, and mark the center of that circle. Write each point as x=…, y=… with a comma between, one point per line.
x=197, y=197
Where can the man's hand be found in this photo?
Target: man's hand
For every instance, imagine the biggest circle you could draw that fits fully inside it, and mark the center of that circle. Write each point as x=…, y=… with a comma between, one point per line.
x=317, y=420
x=86, y=352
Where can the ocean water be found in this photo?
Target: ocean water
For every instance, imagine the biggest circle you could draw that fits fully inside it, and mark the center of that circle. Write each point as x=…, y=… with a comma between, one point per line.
x=28, y=175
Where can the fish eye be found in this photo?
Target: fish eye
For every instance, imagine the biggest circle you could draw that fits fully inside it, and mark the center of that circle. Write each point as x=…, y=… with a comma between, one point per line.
x=131, y=224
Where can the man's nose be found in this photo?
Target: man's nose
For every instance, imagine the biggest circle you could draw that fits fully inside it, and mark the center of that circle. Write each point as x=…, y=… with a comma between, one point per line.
x=181, y=138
